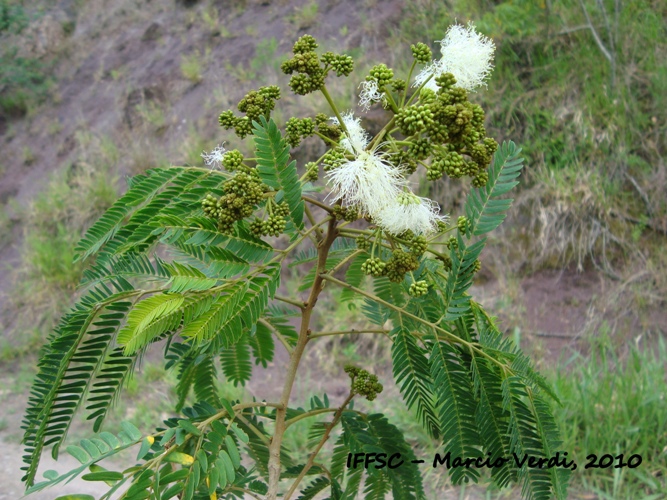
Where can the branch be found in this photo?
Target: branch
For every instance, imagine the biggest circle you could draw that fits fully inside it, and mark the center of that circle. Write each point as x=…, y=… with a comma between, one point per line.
x=317, y=203
x=604, y=50
x=324, y=439
x=295, y=358
x=344, y=332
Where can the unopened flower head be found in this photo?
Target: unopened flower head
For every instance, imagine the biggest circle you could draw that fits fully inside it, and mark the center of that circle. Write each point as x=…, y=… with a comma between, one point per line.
x=214, y=158
x=370, y=94
x=466, y=54
x=409, y=211
x=356, y=138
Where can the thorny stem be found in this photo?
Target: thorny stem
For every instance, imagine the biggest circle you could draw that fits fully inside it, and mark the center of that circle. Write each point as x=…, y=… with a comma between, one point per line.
x=295, y=358
x=324, y=439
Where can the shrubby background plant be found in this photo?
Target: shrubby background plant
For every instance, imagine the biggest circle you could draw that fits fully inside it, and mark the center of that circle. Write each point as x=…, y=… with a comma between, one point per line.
x=182, y=257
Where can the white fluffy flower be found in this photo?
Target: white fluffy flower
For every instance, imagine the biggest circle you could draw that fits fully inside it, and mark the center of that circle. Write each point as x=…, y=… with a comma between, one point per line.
x=370, y=94
x=409, y=211
x=466, y=54
x=214, y=158
x=356, y=139
x=368, y=181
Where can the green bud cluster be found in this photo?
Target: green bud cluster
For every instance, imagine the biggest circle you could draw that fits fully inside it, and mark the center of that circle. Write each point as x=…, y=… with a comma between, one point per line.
x=275, y=223
x=381, y=74
x=450, y=163
x=413, y=119
x=342, y=64
x=480, y=179
x=254, y=104
x=310, y=69
x=452, y=242
x=463, y=223
x=309, y=75
x=374, y=267
x=399, y=264
x=407, y=161
x=362, y=243
x=312, y=171
x=330, y=130
x=243, y=193
x=232, y=160
x=297, y=129
x=418, y=288
x=445, y=82
x=332, y=159
x=447, y=261
x=418, y=245
x=349, y=214
x=476, y=266
x=398, y=85
x=445, y=127
x=420, y=149
x=421, y=52
x=364, y=383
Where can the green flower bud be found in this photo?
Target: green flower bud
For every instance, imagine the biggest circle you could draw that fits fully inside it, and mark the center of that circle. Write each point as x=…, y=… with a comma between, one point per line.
x=418, y=289
x=306, y=43
x=462, y=224
x=232, y=160
x=421, y=52
x=373, y=267
x=227, y=119
x=312, y=171
x=381, y=74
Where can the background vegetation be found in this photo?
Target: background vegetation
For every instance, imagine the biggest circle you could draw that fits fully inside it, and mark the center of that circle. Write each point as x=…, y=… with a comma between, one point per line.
x=581, y=85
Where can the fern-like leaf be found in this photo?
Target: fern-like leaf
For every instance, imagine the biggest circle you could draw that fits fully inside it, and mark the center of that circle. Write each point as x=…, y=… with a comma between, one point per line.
x=275, y=169
x=411, y=373
x=236, y=362
x=484, y=209
x=457, y=407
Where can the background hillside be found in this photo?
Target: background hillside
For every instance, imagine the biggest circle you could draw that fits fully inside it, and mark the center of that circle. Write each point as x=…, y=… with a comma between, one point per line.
x=92, y=91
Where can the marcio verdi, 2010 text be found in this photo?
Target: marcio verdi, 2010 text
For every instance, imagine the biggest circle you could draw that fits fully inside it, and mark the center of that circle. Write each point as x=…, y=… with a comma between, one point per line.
x=382, y=460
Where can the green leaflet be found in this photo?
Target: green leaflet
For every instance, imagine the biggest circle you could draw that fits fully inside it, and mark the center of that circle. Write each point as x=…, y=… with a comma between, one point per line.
x=88, y=455
x=374, y=433
x=411, y=372
x=162, y=310
x=273, y=167
x=236, y=363
x=483, y=208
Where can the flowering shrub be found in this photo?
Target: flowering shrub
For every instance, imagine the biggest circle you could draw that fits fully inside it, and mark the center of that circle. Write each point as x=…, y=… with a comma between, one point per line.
x=215, y=300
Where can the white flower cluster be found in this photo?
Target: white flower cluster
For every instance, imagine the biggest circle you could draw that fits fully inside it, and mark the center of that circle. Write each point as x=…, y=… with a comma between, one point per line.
x=379, y=188
x=214, y=158
x=466, y=54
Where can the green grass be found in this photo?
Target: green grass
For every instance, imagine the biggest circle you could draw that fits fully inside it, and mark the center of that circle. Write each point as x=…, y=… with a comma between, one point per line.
x=616, y=405
x=192, y=67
